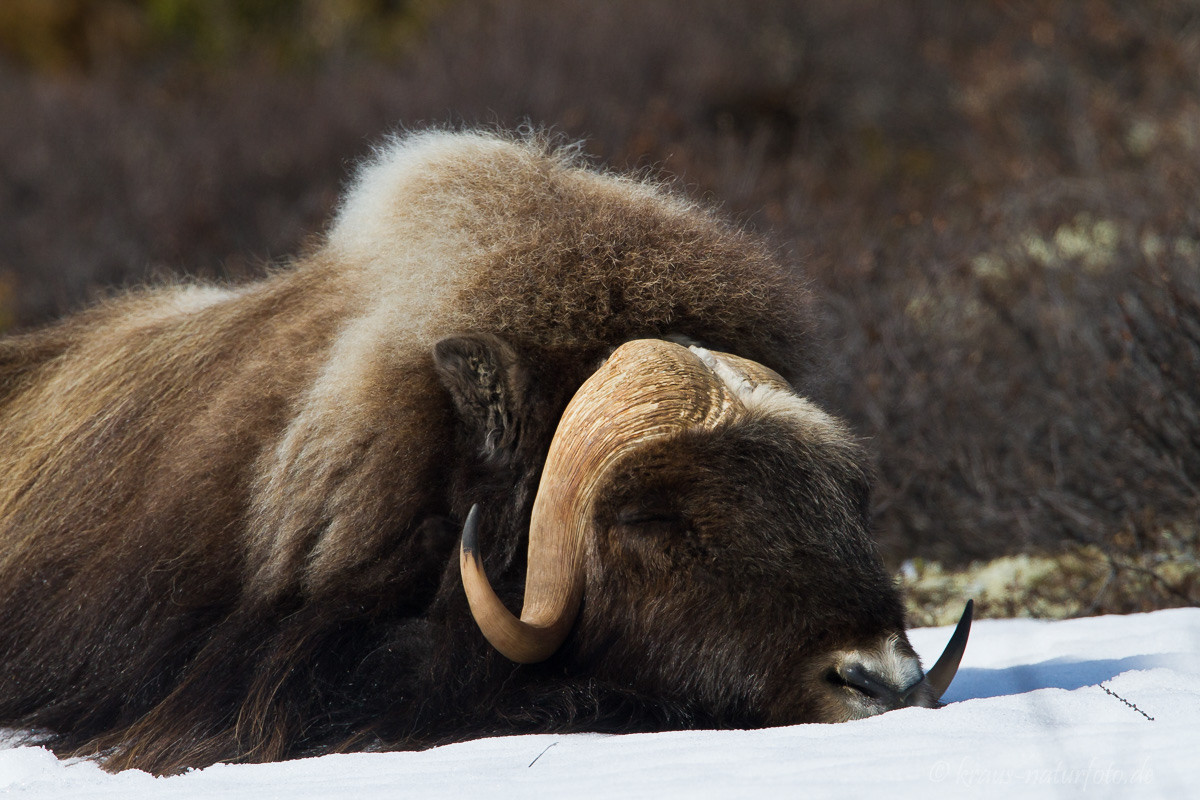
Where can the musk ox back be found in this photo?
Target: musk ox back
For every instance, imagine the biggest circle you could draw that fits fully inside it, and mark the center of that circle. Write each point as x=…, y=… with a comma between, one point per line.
x=230, y=517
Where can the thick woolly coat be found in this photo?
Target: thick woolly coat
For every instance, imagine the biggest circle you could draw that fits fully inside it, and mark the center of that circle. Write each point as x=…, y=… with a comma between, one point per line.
x=229, y=514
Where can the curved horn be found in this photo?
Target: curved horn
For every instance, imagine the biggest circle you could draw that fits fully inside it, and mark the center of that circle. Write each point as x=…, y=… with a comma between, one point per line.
x=646, y=390
x=942, y=673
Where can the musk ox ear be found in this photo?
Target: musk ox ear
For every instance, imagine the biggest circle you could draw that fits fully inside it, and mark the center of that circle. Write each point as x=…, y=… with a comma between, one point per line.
x=487, y=381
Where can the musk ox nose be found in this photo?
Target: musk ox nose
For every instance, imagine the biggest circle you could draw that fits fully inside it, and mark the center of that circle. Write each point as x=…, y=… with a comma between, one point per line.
x=870, y=685
x=874, y=687
x=873, y=680
x=877, y=679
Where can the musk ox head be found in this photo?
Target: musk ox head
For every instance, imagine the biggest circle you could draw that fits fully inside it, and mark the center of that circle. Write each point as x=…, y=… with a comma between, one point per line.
x=700, y=532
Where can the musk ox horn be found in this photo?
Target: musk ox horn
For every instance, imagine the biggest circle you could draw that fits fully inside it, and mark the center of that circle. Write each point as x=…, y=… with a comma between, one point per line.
x=741, y=374
x=942, y=673
x=646, y=390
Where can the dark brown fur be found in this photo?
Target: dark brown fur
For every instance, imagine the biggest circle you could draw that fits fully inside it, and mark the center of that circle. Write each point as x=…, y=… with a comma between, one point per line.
x=229, y=517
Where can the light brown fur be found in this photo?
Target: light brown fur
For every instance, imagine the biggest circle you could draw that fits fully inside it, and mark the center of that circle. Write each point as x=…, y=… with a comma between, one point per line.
x=179, y=457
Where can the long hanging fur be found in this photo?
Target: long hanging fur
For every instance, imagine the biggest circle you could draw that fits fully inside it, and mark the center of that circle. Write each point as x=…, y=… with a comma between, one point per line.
x=229, y=514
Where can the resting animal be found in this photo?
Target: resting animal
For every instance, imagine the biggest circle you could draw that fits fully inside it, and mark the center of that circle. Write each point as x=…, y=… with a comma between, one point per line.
x=232, y=517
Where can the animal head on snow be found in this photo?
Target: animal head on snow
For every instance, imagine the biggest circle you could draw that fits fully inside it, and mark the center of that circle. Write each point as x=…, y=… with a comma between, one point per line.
x=717, y=520
x=259, y=521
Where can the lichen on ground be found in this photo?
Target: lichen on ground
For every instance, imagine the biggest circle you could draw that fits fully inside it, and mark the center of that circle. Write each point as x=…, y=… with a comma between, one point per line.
x=1080, y=580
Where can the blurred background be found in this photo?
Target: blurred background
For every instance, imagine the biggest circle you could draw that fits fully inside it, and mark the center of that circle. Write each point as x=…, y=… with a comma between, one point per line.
x=997, y=202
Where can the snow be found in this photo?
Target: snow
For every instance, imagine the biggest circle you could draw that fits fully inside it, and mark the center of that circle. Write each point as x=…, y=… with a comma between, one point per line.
x=1028, y=717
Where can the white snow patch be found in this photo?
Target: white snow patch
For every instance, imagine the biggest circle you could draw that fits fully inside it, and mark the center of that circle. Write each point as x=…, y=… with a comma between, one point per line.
x=1028, y=718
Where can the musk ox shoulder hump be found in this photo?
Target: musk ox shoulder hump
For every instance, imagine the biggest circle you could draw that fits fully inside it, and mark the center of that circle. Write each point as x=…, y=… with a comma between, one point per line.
x=479, y=231
x=443, y=179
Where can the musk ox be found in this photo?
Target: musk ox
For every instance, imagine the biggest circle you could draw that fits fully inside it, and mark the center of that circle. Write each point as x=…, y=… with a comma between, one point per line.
x=258, y=521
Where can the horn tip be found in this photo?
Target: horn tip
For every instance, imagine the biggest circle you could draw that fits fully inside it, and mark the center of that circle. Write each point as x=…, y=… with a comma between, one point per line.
x=941, y=674
x=469, y=544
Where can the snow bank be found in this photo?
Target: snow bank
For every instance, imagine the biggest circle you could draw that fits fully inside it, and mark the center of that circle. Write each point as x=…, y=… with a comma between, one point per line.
x=1102, y=707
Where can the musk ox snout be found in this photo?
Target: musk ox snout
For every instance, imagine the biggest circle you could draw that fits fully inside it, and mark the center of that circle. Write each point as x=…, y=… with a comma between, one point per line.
x=874, y=680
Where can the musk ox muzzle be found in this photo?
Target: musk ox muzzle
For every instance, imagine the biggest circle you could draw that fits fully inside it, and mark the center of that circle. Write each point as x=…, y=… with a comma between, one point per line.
x=649, y=391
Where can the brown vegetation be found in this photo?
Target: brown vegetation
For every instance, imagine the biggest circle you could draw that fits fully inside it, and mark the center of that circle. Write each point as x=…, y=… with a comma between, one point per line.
x=996, y=201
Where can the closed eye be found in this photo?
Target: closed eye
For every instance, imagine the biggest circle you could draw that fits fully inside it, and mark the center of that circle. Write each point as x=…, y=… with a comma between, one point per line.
x=647, y=516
